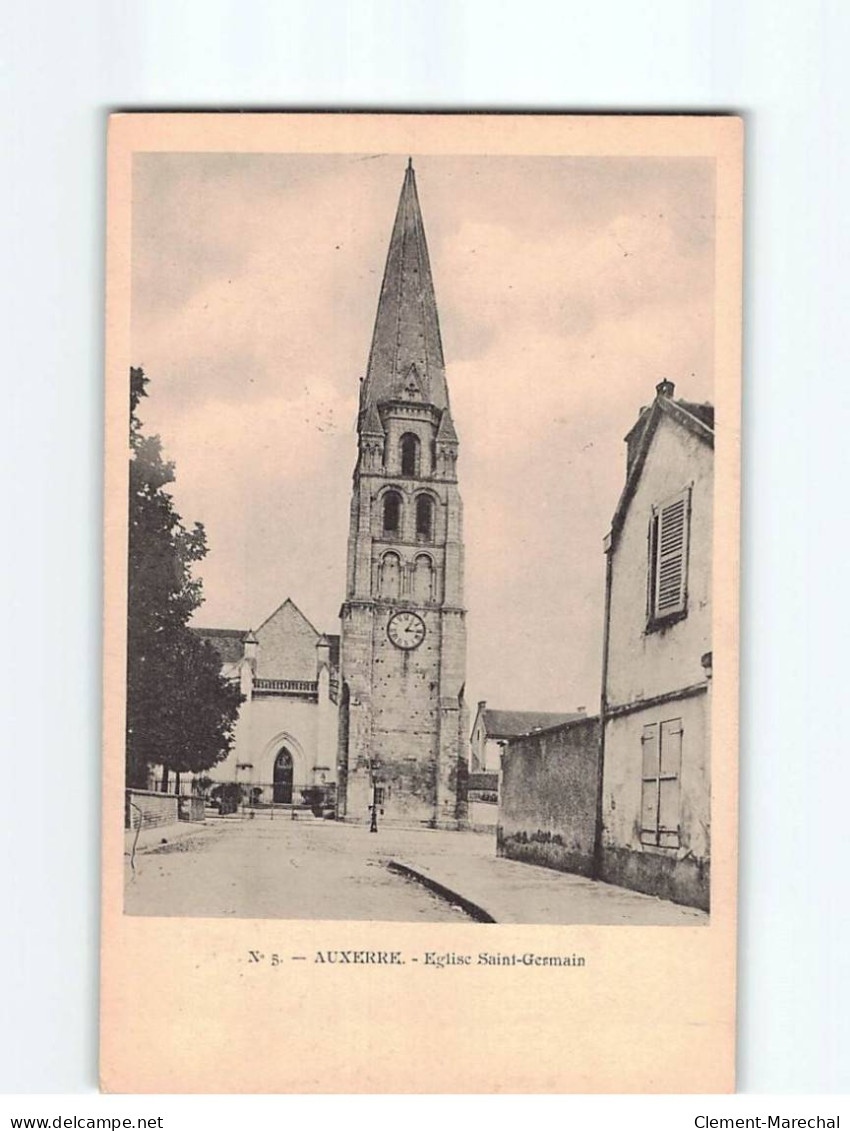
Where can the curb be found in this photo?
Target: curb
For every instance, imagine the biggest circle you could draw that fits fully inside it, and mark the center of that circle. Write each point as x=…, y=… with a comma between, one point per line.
x=478, y=913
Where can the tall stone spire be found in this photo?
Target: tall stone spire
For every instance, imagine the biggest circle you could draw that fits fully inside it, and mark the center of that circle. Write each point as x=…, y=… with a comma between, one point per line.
x=406, y=359
x=402, y=714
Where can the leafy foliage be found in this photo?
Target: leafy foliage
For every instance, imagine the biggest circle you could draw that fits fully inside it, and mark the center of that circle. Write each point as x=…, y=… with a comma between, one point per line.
x=181, y=713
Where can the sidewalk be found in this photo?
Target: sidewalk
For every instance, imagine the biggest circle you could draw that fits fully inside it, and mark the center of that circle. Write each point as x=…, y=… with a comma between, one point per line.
x=507, y=891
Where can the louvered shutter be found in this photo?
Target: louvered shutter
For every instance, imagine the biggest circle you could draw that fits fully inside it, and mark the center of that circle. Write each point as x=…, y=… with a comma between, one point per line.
x=672, y=556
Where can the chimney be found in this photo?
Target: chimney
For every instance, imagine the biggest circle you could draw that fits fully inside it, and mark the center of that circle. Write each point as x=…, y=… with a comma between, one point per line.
x=665, y=388
x=250, y=647
x=482, y=703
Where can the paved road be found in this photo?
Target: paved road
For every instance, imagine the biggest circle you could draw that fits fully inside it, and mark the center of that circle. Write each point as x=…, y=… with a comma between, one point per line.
x=282, y=869
x=304, y=870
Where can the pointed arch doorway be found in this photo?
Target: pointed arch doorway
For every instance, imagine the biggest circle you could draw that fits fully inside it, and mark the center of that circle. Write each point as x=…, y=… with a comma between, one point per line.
x=282, y=779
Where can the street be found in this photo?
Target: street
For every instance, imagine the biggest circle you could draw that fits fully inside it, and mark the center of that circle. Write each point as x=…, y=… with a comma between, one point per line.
x=280, y=869
x=308, y=869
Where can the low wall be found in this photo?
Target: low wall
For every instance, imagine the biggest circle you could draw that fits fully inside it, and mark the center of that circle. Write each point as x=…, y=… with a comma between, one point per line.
x=191, y=808
x=547, y=803
x=146, y=809
x=483, y=814
x=686, y=881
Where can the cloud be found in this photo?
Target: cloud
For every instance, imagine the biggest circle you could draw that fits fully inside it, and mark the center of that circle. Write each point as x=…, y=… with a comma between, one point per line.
x=567, y=289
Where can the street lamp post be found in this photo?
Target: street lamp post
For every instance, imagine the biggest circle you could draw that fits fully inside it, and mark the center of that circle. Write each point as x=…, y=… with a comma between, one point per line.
x=373, y=827
x=373, y=824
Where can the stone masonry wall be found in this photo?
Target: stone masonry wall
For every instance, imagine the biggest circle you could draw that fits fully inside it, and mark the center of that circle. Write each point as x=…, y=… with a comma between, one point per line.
x=156, y=809
x=547, y=804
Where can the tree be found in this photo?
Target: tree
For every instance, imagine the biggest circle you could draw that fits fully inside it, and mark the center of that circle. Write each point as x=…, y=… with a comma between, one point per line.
x=181, y=712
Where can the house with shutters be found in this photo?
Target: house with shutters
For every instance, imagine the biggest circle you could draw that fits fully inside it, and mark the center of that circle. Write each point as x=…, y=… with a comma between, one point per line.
x=654, y=798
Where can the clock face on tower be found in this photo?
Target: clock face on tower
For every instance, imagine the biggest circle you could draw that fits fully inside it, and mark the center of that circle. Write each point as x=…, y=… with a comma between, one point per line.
x=406, y=630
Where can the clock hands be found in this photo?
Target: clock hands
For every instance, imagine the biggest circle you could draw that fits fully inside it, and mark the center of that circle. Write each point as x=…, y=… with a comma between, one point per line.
x=406, y=630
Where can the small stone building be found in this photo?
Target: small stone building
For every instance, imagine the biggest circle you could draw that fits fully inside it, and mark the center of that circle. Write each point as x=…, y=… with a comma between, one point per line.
x=493, y=728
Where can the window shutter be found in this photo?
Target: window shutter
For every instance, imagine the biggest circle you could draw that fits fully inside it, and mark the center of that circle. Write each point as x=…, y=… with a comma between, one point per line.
x=672, y=556
x=649, y=785
x=669, y=787
x=649, y=742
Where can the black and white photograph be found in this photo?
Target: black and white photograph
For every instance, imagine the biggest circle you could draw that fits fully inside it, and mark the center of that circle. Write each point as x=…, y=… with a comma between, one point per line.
x=420, y=538
x=424, y=469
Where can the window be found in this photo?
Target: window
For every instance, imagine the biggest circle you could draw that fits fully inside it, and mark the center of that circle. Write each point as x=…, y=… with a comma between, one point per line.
x=409, y=454
x=667, y=590
x=423, y=584
x=660, y=785
x=424, y=518
x=390, y=582
x=392, y=512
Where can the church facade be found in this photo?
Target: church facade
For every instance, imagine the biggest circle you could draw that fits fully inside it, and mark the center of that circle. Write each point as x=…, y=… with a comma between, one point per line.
x=286, y=733
x=403, y=719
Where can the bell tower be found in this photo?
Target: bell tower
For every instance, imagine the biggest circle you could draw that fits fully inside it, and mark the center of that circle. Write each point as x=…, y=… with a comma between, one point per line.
x=403, y=720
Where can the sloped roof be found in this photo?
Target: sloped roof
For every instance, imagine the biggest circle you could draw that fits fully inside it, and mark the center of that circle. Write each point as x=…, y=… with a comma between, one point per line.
x=511, y=724
x=294, y=610
x=406, y=341
x=698, y=419
x=703, y=412
x=228, y=642
x=447, y=430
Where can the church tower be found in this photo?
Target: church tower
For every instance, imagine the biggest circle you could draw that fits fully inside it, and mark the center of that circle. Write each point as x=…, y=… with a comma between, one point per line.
x=403, y=720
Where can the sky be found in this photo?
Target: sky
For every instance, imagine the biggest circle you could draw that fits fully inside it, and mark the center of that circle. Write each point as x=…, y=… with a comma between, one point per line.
x=567, y=288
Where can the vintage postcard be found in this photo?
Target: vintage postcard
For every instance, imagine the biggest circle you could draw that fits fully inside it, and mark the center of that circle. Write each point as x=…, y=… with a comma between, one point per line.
x=421, y=619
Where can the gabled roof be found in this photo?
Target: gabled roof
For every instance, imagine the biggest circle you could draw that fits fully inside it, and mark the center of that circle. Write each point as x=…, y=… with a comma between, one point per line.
x=370, y=420
x=698, y=419
x=511, y=724
x=407, y=329
x=446, y=431
x=228, y=642
x=703, y=412
x=294, y=609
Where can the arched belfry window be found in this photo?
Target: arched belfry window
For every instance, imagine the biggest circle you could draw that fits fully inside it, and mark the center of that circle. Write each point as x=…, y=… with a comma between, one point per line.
x=390, y=575
x=409, y=454
x=424, y=518
x=423, y=579
x=392, y=512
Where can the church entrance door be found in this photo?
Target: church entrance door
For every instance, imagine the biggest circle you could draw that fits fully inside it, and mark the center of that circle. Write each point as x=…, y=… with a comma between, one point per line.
x=282, y=786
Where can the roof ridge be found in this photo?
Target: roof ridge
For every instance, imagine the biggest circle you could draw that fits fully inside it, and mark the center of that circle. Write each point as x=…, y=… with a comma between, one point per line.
x=662, y=404
x=229, y=631
x=282, y=605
